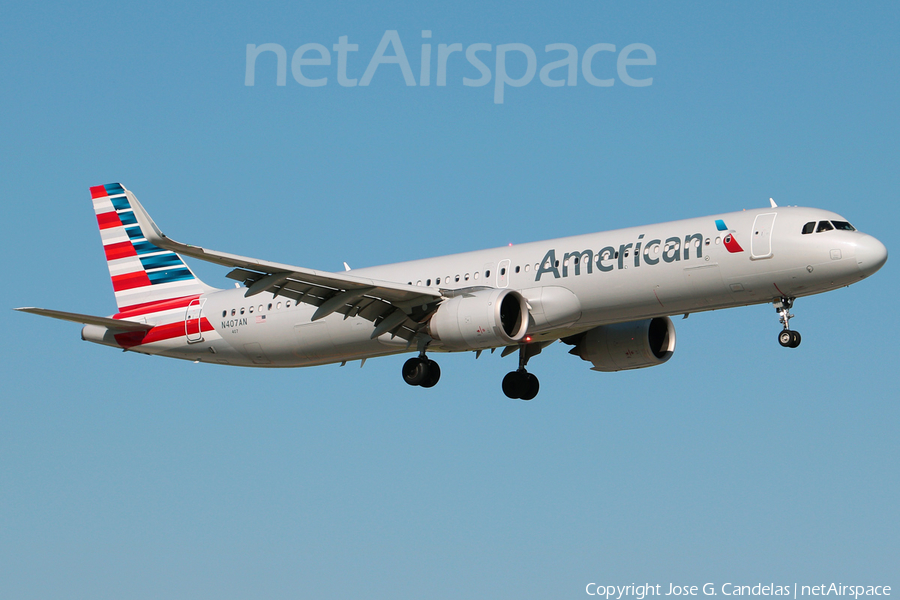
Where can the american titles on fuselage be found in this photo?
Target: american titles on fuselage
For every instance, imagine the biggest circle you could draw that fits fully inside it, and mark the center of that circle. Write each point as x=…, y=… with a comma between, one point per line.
x=608, y=258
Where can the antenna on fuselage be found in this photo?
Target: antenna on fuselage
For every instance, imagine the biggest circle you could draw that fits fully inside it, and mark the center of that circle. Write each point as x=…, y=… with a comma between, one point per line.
x=772, y=202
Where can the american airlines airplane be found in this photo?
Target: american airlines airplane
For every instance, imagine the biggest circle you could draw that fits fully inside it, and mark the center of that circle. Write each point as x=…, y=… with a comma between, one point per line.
x=609, y=295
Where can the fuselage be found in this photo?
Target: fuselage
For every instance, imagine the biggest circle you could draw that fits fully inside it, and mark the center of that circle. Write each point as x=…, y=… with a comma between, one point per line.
x=571, y=285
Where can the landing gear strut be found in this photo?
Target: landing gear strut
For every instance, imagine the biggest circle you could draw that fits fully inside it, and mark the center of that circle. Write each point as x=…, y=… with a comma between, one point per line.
x=520, y=384
x=787, y=338
x=421, y=370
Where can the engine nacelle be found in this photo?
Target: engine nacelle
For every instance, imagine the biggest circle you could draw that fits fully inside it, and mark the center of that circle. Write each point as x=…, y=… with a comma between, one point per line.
x=481, y=319
x=623, y=346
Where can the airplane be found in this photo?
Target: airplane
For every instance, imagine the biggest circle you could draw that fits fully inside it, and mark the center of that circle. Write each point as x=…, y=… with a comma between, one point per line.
x=609, y=295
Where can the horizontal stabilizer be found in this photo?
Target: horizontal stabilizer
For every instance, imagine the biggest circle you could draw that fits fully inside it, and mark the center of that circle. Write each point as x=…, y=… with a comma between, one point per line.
x=112, y=324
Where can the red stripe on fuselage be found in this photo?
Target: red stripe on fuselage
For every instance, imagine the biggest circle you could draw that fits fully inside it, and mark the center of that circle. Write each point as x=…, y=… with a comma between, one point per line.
x=108, y=220
x=130, y=281
x=137, y=310
x=159, y=333
x=119, y=250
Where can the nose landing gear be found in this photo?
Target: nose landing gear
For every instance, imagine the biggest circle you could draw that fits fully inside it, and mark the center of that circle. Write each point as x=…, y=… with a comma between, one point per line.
x=787, y=338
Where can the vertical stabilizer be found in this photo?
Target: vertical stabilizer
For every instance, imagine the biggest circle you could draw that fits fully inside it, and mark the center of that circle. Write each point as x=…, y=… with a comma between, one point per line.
x=142, y=274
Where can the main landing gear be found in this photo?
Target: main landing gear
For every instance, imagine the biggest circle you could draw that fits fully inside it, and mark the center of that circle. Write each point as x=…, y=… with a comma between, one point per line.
x=421, y=370
x=520, y=384
x=787, y=338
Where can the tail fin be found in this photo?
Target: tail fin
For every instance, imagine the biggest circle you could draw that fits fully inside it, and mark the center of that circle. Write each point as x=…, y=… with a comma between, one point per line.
x=142, y=274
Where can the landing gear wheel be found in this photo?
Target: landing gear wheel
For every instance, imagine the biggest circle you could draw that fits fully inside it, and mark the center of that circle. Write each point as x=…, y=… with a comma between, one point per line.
x=513, y=385
x=415, y=371
x=785, y=338
x=532, y=387
x=789, y=339
x=520, y=385
x=434, y=374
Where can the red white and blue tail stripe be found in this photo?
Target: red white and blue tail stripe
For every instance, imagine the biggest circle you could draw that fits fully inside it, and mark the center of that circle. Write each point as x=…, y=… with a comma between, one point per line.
x=142, y=274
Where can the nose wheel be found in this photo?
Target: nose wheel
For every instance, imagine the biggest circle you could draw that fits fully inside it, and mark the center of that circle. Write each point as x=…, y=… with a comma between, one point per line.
x=787, y=337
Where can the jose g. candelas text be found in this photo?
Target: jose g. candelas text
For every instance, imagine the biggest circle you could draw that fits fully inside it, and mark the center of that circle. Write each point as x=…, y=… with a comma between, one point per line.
x=313, y=65
x=642, y=591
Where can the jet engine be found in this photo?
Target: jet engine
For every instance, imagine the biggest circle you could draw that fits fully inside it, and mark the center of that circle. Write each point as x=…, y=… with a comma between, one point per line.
x=623, y=346
x=480, y=319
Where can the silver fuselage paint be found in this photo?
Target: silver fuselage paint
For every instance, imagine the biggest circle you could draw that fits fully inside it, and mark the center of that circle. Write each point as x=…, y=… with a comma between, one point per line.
x=572, y=284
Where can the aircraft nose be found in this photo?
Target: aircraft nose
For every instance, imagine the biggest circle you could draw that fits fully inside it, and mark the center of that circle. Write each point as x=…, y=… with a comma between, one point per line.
x=870, y=255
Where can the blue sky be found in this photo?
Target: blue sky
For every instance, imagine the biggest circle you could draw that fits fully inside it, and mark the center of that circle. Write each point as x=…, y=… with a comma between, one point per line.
x=737, y=461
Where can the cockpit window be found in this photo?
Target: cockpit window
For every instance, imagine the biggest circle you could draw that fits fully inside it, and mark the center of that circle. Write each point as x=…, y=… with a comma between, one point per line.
x=843, y=226
x=824, y=226
x=809, y=227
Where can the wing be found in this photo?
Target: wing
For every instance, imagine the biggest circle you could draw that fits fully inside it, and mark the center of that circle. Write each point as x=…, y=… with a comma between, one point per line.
x=394, y=308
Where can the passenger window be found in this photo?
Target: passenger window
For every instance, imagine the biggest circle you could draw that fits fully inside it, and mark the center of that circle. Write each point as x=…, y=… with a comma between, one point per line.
x=233, y=312
x=467, y=276
x=250, y=310
x=809, y=227
x=270, y=306
x=457, y=279
x=843, y=226
x=476, y=275
x=502, y=271
x=242, y=310
x=287, y=304
x=437, y=281
x=527, y=268
x=824, y=226
x=224, y=313
x=428, y=282
x=487, y=273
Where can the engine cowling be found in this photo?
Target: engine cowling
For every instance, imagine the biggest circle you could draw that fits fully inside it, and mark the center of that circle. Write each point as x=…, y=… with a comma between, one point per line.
x=623, y=346
x=480, y=319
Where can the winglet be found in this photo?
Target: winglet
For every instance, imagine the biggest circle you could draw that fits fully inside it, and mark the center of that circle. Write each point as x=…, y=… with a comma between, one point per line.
x=151, y=232
x=772, y=202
